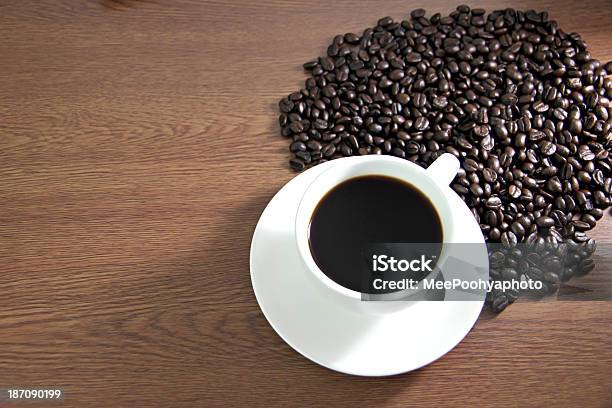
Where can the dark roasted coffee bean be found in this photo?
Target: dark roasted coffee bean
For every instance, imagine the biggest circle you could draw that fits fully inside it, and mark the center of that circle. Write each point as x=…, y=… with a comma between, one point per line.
x=487, y=143
x=297, y=127
x=596, y=213
x=297, y=146
x=509, y=274
x=600, y=199
x=413, y=57
x=346, y=150
x=476, y=190
x=548, y=148
x=497, y=259
x=470, y=165
x=417, y=13
x=493, y=202
x=439, y=102
x=482, y=130
x=351, y=38
x=580, y=236
x=499, y=303
x=314, y=145
x=581, y=225
x=544, y=222
x=509, y=239
x=353, y=142
x=518, y=229
x=328, y=150
x=554, y=185
x=551, y=277
x=489, y=175
x=304, y=156
x=320, y=124
x=421, y=123
x=575, y=126
x=514, y=191
x=297, y=164
x=586, y=266
x=375, y=128
x=590, y=246
x=535, y=273
x=494, y=234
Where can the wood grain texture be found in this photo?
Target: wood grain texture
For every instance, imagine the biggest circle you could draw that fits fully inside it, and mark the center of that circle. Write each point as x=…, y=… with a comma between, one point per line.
x=138, y=146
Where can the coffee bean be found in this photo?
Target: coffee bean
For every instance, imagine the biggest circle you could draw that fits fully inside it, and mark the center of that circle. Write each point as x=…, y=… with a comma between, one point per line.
x=580, y=236
x=514, y=191
x=482, y=130
x=297, y=127
x=385, y=21
x=417, y=13
x=539, y=107
x=297, y=146
x=518, y=229
x=548, y=148
x=421, y=123
x=581, y=225
x=509, y=99
x=600, y=199
x=413, y=57
x=489, y=175
x=535, y=273
x=297, y=164
x=403, y=98
x=396, y=151
x=493, y=203
x=440, y=102
x=327, y=63
x=575, y=126
x=314, y=145
x=551, y=277
x=375, y=128
x=509, y=274
x=499, y=303
x=487, y=143
x=590, y=246
x=346, y=150
x=396, y=74
x=585, y=153
x=476, y=190
x=509, y=239
x=306, y=157
x=544, y=222
x=351, y=38
x=320, y=124
x=328, y=150
x=586, y=266
x=497, y=259
x=554, y=185
x=470, y=165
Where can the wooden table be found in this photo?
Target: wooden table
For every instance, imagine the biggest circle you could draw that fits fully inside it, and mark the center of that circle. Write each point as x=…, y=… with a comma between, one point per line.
x=138, y=145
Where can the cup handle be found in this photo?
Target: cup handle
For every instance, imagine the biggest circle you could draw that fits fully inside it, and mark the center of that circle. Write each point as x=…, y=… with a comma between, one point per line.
x=444, y=169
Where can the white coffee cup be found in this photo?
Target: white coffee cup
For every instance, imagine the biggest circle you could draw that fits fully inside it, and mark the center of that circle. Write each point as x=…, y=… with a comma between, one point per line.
x=433, y=182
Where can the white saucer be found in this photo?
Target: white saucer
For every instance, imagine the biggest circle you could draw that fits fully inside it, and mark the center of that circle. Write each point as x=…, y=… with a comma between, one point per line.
x=344, y=339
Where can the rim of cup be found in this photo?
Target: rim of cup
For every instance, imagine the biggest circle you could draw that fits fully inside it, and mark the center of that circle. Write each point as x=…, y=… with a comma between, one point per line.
x=352, y=167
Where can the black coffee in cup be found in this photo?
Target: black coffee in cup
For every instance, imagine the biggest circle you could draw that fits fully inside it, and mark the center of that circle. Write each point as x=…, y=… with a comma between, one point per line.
x=366, y=211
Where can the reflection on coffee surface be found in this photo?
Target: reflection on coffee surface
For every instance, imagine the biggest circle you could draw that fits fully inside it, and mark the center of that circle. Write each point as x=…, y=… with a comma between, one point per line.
x=369, y=210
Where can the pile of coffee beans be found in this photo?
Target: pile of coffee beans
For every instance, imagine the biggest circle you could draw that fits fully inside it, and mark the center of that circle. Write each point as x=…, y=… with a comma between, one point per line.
x=521, y=103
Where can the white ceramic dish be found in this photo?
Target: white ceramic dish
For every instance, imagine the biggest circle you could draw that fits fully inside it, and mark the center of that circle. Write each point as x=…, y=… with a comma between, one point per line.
x=344, y=333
